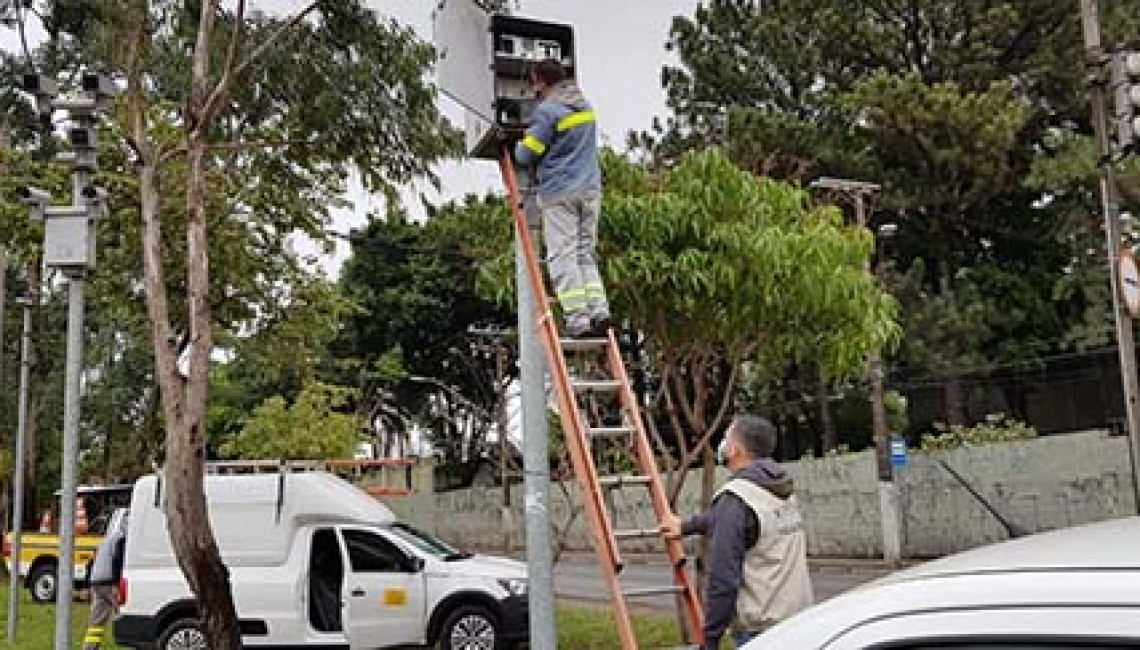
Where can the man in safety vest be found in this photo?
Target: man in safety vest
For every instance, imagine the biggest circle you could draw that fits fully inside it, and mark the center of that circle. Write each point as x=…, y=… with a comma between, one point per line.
x=563, y=142
x=758, y=573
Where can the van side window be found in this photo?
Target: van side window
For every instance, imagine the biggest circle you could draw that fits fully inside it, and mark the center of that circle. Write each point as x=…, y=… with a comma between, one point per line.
x=370, y=553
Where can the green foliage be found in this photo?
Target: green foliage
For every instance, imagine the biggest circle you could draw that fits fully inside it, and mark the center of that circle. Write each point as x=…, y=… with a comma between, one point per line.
x=995, y=428
x=942, y=334
x=897, y=415
x=710, y=256
x=313, y=427
x=950, y=106
x=346, y=91
x=407, y=344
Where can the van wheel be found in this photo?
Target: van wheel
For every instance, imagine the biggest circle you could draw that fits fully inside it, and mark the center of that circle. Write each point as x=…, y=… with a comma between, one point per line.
x=42, y=582
x=183, y=634
x=470, y=627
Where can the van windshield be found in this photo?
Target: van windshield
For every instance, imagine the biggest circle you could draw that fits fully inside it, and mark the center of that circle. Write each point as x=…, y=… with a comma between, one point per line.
x=428, y=544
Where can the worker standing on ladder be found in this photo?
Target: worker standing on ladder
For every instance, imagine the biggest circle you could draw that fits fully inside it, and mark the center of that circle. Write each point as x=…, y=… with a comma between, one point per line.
x=758, y=573
x=563, y=141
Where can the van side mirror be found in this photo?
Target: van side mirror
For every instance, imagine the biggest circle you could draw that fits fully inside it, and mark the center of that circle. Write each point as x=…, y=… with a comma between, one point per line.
x=413, y=564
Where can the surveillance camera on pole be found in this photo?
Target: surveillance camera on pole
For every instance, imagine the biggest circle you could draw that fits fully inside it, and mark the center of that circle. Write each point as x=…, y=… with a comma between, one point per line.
x=96, y=199
x=84, y=145
x=100, y=89
x=1125, y=69
x=43, y=89
x=36, y=199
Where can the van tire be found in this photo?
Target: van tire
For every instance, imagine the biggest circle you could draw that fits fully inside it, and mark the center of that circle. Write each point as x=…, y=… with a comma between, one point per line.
x=470, y=627
x=43, y=582
x=183, y=634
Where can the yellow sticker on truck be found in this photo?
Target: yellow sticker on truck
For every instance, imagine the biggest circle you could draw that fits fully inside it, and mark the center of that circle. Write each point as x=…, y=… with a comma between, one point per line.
x=395, y=597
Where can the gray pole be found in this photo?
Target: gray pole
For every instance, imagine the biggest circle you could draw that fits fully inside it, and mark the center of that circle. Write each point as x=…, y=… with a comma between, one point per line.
x=18, y=474
x=889, y=514
x=1125, y=340
x=69, y=469
x=536, y=455
x=3, y=321
x=76, y=284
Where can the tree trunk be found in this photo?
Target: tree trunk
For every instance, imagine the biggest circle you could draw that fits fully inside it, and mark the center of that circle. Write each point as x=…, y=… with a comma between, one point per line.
x=184, y=399
x=829, y=436
x=708, y=488
x=955, y=396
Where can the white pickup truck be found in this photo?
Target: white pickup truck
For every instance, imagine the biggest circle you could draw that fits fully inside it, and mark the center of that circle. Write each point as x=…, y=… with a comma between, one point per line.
x=316, y=562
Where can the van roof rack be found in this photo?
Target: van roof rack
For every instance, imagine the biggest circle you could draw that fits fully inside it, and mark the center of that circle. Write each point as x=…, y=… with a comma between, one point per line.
x=383, y=477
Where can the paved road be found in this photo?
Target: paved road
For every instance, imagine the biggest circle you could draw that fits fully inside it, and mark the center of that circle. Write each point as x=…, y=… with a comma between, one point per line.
x=577, y=578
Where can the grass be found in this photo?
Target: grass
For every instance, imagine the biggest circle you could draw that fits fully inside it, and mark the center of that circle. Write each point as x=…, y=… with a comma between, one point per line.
x=36, y=624
x=588, y=629
x=579, y=627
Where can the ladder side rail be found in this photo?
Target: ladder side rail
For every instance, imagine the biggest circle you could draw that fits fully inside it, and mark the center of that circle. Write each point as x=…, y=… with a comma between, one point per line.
x=647, y=462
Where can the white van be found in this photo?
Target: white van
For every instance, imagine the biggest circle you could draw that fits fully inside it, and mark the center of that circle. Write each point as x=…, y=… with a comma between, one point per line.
x=316, y=562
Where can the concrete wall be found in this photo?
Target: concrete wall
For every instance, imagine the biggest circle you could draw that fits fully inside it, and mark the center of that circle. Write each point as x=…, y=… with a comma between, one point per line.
x=1040, y=484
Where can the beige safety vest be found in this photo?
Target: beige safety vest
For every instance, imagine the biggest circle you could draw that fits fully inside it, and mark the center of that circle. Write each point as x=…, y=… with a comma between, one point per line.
x=775, y=582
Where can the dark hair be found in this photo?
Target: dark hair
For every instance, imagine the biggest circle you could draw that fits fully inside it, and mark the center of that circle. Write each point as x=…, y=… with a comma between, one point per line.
x=549, y=72
x=757, y=435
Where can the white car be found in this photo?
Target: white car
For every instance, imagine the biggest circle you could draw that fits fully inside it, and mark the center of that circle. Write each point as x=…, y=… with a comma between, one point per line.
x=1072, y=589
x=315, y=562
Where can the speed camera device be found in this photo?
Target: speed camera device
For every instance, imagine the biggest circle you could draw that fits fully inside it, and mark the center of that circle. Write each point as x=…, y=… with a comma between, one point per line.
x=485, y=63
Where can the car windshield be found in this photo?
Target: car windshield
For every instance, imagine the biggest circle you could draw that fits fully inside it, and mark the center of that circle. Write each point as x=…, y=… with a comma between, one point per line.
x=428, y=544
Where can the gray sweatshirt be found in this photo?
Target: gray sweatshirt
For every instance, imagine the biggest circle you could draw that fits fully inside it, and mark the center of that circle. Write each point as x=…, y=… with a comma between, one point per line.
x=563, y=141
x=732, y=529
x=108, y=565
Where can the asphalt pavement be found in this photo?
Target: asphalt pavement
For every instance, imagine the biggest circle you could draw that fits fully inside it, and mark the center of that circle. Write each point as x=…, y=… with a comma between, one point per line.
x=577, y=578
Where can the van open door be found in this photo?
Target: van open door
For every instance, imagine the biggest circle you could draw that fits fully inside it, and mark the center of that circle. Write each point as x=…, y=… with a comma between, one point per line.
x=383, y=592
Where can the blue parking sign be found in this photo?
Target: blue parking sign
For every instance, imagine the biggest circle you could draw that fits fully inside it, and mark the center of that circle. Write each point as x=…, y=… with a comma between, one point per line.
x=898, y=451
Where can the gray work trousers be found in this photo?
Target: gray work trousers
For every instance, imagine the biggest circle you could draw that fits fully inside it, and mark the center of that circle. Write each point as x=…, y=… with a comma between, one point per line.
x=103, y=605
x=570, y=230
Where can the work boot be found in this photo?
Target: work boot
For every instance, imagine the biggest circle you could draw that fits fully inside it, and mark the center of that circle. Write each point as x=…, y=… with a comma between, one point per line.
x=600, y=320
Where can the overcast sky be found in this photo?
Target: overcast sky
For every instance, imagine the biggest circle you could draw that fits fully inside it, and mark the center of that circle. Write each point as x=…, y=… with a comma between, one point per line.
x=621, y=49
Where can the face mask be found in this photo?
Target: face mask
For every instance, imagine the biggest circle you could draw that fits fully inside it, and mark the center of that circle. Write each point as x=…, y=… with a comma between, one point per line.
x=722, y=452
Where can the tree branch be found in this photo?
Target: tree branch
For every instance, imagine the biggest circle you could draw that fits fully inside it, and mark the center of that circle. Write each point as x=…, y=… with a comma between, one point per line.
x=729, y=388
x=236, y=37
x=229, y=74
x=259, y=144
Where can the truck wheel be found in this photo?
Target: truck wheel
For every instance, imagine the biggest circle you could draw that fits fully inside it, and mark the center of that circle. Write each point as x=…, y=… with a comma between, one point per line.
x=470, y=627
x=42, y=582
x=183, y=634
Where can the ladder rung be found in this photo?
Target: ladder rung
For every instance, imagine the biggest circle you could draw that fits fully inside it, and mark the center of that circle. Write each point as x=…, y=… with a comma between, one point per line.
x=596, y=384
x=652, y=591
x=641, y=533
x=609, y=432
x=581, y=345
x=619, y=480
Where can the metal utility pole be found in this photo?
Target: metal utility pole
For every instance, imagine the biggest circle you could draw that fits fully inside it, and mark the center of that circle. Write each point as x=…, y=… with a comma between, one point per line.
x=889, y=507
x=502, y=421
x=18, y=472
x=3, y=321
x=69, y=246
x=1097, y=64
x=536, y=444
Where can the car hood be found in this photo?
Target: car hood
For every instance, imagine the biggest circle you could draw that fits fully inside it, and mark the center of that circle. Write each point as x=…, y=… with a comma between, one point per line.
x=482, y=566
